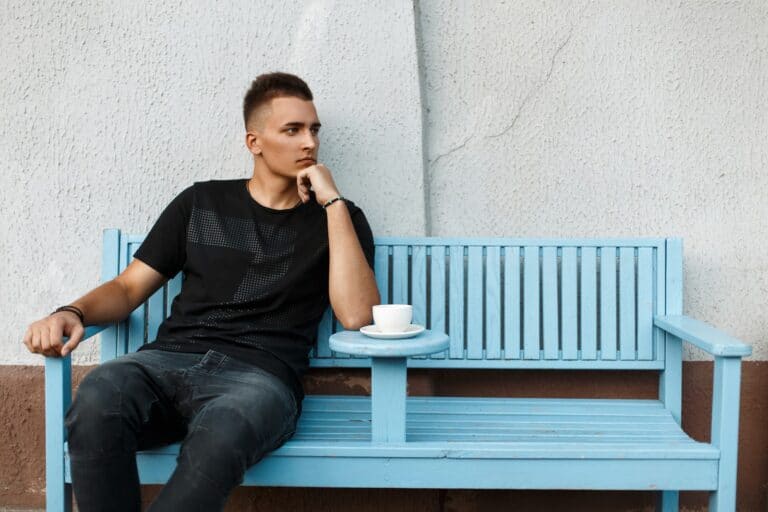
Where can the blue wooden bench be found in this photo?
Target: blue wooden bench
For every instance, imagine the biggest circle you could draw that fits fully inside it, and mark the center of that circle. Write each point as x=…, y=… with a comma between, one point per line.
x=505, y=304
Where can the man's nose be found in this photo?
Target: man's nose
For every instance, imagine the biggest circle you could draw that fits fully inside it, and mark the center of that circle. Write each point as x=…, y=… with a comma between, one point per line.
x=309, y=141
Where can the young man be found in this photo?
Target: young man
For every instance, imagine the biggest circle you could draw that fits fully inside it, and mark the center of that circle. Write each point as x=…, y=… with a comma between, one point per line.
x=261, y=260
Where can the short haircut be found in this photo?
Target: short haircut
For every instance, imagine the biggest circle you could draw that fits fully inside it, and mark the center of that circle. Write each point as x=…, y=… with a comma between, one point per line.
x=268, y=86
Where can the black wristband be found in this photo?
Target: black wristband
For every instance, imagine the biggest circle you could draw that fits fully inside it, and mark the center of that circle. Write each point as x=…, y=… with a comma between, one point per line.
x=331, y=201
x=72, y=309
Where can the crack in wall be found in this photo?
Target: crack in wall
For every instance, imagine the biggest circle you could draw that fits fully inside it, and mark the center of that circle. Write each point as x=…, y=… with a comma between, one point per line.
x=452, y=150
x=534, y=90
x=421, y=74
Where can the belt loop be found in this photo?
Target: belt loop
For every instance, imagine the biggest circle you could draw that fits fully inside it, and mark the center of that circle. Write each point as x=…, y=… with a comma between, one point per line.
x=212, y=361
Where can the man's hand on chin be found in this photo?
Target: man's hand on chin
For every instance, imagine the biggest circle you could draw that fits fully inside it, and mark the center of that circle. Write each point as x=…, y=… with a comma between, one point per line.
x=319, y=178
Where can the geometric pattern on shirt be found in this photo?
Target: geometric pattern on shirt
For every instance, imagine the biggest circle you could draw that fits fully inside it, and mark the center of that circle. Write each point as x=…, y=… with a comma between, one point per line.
x=280, y=318
x=271, y=248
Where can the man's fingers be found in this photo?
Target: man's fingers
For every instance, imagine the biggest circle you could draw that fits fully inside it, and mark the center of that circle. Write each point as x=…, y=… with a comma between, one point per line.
x=36, y=340
x=28, y=340
x=45, y=342
x=55, y=336
x=68, y=348
x=74, y=340
x=46, y=336
x=301, y=184
x=54, y=345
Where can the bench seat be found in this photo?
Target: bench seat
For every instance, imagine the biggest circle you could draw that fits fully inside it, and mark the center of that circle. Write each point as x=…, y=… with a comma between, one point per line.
x=638, y=440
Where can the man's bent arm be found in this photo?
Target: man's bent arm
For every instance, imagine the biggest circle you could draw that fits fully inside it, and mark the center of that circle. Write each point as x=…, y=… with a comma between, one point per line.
x=351, y=282
x=109, y=303
x=114, y=300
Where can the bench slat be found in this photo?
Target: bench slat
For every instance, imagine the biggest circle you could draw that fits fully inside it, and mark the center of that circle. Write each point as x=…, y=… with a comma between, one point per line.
x=173, y=289
x=324, y=330
x=137, y=319
x=155, y=309
x=531, y=297
x=502, y=431
x=312, y=417
x=645, y=304
x=475, y=303
x=381, y=270
x=400, y=274
x=675, y=451
x=465, y=405
x=627, y=303
x=507, y=241
x=496, y=438
x=123, y=328
x=426, y=465
x=456, y=321
x=493, y=313
x=419, y=285
x=588, y=303
x=437, y=306
x=607, y=340
x=136, y=329
x=530, y=364
x=512, y=303
x=503, y=422
x=550, y=322
x=569, y=312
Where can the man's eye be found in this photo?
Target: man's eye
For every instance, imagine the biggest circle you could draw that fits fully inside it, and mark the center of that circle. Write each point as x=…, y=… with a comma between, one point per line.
x=292, y=130
x=315, y=130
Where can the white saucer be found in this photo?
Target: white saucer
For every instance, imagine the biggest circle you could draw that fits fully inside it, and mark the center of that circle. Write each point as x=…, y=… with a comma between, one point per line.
x=409, y=332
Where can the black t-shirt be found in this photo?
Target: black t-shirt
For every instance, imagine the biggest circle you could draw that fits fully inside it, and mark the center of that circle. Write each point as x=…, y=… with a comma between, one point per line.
x=255, y=279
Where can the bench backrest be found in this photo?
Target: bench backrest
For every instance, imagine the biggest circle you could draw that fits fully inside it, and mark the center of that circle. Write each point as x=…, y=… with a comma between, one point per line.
x=505, y=303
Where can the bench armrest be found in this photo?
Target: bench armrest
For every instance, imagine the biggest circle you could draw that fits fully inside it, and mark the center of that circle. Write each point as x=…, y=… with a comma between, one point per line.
x=726, y=389
x=703, y=336
x=90, y=331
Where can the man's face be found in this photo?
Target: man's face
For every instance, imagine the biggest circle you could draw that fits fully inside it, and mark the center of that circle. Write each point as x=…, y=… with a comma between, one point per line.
x=287, y=135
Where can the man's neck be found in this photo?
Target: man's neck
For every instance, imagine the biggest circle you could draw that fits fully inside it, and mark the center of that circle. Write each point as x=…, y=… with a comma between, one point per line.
x=271, y=190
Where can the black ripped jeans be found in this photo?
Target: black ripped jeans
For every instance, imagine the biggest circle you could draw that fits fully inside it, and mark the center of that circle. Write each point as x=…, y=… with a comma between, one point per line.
x=226, y=414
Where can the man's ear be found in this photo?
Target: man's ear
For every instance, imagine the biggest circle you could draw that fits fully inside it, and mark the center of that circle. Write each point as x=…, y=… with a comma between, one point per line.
x=253, y=142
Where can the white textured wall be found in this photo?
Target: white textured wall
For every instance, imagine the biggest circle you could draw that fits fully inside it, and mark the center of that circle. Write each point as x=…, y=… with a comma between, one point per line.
x=632, y=118
x=591, y=118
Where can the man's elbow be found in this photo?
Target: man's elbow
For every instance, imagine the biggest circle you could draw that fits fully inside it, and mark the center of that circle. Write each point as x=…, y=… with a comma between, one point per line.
x=354, y=323
x=352, y=319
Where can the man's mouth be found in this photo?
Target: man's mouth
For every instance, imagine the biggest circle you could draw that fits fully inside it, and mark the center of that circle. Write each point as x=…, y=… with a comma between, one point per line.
x=307, y=161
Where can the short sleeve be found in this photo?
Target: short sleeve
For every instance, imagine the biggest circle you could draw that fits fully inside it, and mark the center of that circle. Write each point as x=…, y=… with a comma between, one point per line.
x=364, y=234
x=164, y=248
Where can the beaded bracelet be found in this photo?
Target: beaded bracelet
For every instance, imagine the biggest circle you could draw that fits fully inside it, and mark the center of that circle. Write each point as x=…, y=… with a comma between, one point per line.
x=72, y=309
x=331, y=201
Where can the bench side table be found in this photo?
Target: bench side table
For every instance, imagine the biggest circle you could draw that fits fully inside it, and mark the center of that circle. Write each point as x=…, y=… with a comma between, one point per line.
x=388, y=375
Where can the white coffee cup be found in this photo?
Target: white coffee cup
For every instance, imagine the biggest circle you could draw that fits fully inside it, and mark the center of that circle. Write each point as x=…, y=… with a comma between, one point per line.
x=390, y=318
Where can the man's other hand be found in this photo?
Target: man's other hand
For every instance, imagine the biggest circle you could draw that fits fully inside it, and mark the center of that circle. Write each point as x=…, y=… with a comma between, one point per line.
x=45, y=335
x=319, y=178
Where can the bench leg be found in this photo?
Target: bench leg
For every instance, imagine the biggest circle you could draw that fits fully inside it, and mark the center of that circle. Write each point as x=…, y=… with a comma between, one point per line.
x=58, y=394
x=725, y=431
x=58, y=498
x=669, y=501
x=720, y=501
